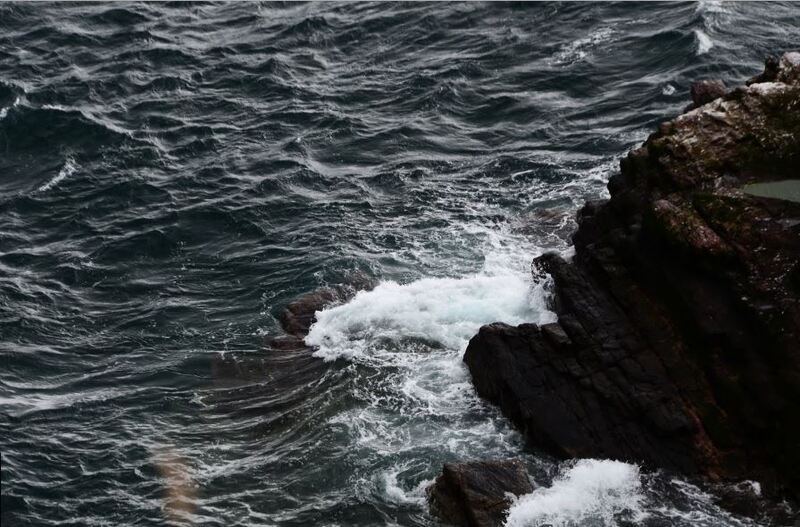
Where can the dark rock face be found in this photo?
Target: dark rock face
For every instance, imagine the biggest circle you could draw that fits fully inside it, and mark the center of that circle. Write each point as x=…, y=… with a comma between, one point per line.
x=476, y=494
x=678, y=335
x=703, y=92
x=786, y=69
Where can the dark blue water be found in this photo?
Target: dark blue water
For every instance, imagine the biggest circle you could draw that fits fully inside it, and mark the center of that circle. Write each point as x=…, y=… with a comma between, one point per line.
x=172, y=175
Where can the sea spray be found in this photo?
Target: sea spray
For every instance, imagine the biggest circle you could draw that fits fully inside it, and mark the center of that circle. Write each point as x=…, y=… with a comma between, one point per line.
x=704, y=42
x=590, y=492
x=444, y=312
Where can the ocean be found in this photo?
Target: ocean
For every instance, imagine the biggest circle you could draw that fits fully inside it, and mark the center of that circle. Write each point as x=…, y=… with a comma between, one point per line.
x=172, y=175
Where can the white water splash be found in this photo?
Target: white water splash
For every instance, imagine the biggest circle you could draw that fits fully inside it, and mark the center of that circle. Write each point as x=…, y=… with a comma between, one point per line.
x=704, y=42
x=416, y=334
x=592, y=491
x=67, y=170
x=439, y=314
x=440, y=311
x=394, y=492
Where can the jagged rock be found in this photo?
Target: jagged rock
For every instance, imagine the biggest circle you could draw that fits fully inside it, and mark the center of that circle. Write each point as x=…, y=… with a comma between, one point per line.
x=678, y=335
x=478, y=493
x=770, y=72
x=789, y=68
x=744, y=498
x=785, y=70
x=703, y=92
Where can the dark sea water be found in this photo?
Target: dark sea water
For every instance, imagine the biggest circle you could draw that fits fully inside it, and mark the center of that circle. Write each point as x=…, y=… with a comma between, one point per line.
x=172, y=175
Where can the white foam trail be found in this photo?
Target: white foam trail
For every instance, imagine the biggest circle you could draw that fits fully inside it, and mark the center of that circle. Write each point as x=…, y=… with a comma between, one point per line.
x=67, y=170
x=704, y=42
x=592, y=491
x=21, y=404
x=577, y=50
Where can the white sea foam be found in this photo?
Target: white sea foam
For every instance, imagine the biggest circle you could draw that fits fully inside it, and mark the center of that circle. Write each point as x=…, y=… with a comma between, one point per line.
x=436, y=313
x=698, y=507
x=423, y=403
x=4, y=111
x=439, y=311
x=704, y=42
x=713, y=7
x=67, y=170
x=591, y=492
x=577, y=50
x=393, y=491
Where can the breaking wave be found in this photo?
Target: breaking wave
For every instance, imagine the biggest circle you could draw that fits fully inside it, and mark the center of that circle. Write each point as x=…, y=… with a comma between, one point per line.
x=589, y=492
x=704, y=42
x=439, y=312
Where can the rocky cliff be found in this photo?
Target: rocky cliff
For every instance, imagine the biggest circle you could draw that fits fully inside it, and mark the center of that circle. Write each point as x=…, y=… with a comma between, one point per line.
x=678, y=336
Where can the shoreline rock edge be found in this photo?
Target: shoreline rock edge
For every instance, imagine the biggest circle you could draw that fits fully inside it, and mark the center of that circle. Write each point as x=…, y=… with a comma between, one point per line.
x=678, y=336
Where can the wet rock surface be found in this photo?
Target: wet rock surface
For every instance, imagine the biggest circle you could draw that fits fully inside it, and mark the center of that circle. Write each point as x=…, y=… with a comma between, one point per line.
x=678, y=336
x=478, y=493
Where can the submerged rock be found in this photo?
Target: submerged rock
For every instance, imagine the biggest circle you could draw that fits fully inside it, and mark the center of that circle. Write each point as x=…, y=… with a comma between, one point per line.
x=478, y=493
x=300, y=314
x=287, y=365
x=678, y=336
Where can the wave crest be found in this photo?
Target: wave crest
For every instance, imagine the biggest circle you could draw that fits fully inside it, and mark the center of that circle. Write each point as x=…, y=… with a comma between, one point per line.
x=593, y=491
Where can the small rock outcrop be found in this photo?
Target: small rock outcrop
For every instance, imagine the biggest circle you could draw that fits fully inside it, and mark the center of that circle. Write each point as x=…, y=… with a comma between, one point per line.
x=678, y=336
x=478, y=493
x=706, y=91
